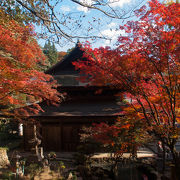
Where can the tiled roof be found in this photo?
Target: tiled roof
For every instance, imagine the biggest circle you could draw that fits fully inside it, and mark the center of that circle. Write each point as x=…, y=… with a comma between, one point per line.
x=65, y=66
x=83, y=108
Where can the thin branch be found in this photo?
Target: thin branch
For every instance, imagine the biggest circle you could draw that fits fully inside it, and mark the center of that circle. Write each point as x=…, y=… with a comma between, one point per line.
x=32, y=11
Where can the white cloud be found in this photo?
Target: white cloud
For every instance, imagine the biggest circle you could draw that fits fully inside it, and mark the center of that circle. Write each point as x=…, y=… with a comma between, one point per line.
x=112, y=24
x=81, y=8
x=88, y=2
x=113, y=3
x=112, y=34
x=65, y=8
x=118, y=3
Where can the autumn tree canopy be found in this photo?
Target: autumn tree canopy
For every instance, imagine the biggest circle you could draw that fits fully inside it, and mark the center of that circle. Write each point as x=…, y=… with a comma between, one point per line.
x=146, y=66
x=61, y=55
x=20, y=79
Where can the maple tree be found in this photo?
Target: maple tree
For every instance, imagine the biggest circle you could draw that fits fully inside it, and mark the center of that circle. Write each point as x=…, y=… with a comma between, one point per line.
x=125, y=135
x=21, y=82
x=146, y=66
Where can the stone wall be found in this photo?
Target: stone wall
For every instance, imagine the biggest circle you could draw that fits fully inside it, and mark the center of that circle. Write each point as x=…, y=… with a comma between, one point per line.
x=4, y=161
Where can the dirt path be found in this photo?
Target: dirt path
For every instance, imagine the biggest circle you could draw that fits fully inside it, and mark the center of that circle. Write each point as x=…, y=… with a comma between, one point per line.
x=47, y=174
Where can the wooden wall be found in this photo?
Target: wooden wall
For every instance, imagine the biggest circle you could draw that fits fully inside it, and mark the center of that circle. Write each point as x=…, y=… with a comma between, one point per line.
x=61, y=133
x=60, y=137
x=28, y=135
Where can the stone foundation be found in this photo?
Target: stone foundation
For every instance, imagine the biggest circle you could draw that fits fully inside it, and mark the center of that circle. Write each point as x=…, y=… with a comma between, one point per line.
x=4, y=161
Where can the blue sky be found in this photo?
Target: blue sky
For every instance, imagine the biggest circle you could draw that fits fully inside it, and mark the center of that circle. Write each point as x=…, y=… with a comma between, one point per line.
x=101, y=24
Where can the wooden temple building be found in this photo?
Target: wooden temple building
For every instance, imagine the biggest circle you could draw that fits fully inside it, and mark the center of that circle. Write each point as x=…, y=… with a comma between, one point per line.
x=61, y=125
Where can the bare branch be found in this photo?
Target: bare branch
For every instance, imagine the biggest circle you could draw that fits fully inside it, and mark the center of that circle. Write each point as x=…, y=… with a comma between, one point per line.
x=71, y=25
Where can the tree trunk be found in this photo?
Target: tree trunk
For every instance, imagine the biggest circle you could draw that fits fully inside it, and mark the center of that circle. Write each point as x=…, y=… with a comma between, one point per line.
x=176, y=168
x=164, y=158
x=37, y=143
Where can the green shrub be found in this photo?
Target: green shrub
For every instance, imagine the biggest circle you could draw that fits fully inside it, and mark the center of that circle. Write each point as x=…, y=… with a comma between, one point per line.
x=33, y=170
x=7, y=175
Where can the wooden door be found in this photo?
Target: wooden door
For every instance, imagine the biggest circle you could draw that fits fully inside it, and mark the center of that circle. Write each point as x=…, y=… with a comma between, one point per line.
x=28, y=132
x=70, y=137
x=51, y=135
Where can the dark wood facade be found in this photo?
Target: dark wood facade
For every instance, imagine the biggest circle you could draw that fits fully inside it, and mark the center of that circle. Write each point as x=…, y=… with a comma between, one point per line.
x=60, y=125
x=61, y=134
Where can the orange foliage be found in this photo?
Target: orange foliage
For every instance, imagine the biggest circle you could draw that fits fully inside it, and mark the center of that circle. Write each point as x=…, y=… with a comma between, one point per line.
x=61, y=55
x=146, y=66
x=19, y=75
